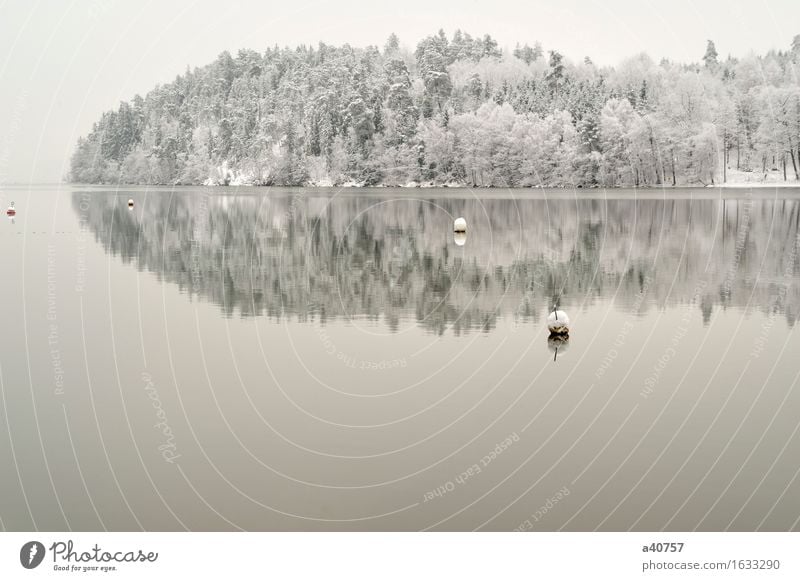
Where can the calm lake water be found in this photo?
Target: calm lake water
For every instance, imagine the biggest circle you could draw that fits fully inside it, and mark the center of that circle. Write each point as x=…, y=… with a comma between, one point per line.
x=289, y=359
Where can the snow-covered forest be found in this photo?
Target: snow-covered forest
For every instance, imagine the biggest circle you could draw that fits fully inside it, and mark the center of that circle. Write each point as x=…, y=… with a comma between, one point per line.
x=455, y=111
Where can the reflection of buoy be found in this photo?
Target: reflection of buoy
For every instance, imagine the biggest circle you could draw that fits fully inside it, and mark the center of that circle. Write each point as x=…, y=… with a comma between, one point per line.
x=558, y=344
x=558, y=322
x=11, y=211
x=460, y=225
x=130, y=204
x=460, y=238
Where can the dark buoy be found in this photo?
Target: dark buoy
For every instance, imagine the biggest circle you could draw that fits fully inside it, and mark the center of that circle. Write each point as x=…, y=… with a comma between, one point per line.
x=130, y=204
x=558, y=344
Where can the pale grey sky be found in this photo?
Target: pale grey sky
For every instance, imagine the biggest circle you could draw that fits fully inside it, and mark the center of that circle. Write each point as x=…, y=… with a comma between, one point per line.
x=64, y=62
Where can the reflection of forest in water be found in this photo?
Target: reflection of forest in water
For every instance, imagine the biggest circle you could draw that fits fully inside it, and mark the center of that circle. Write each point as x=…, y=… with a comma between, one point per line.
x=311, y=257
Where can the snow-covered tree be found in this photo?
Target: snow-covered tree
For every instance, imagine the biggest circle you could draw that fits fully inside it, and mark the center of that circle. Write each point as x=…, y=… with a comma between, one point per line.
x=710, y=58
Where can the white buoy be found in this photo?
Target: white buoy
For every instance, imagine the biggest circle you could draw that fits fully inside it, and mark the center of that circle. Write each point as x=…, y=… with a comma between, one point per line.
x=460, y=238
x=558, y=322
x=130, y=204
x=11, y=211
x=460, y=225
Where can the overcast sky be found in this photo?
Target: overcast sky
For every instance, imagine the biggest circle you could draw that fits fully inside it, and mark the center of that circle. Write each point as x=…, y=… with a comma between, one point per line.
x=64, y=62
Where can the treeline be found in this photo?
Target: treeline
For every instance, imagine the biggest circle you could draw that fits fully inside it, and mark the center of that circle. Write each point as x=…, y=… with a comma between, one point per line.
x=456, y=111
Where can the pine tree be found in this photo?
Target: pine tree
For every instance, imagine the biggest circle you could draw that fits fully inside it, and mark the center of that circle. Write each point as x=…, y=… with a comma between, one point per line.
x=710, y=58
x=392, y=45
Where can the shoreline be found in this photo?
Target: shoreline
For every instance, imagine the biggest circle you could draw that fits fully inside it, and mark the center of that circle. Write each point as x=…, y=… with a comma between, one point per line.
x=439, y=187
x=351, y=186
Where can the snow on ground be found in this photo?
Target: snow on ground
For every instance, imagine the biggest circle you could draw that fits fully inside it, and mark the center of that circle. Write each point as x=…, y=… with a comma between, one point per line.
x=750, y=179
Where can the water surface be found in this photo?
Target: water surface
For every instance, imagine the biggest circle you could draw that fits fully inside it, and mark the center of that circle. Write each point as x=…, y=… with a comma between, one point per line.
x=289, y=359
